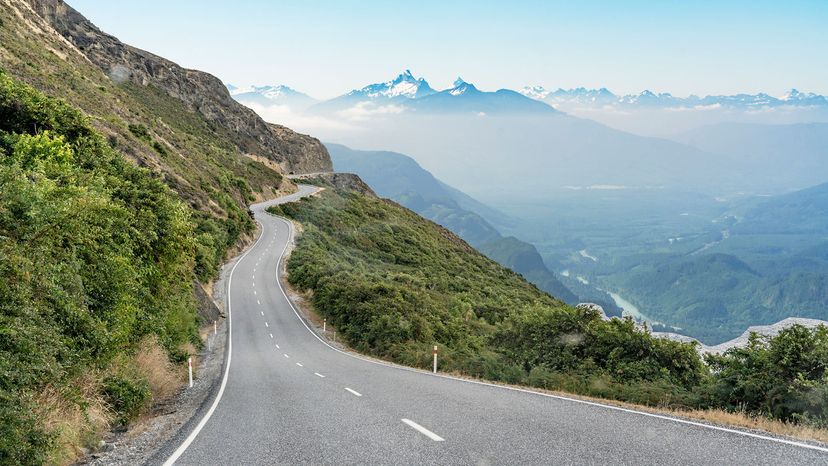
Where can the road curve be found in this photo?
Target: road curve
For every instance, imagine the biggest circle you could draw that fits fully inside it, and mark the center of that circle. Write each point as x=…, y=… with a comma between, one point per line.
x=289, y=398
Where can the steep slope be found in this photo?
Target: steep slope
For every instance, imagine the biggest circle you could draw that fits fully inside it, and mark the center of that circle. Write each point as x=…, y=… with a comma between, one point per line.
x=180, y=123
x=199, y=91
x=400, y=178
x=125, y=179
x=523, y=258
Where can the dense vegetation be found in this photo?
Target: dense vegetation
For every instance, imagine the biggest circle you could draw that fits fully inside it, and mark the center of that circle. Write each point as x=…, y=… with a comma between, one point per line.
x=95, y=254
x=395, y=284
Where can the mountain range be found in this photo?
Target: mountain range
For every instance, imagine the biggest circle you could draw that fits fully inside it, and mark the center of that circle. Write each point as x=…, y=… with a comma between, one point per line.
x=648, y=99
x=416, y=94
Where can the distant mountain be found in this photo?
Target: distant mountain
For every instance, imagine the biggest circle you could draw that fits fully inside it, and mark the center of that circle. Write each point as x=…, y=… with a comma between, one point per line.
x=271, y=95
x=466, y=98
x=415, y=95
x=564, y=98
x=399, y=90
x=802, y=212
x=784, y=155
x=400, y=178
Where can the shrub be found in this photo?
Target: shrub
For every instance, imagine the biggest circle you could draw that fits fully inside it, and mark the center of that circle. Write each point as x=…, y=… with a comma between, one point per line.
x=126, y=396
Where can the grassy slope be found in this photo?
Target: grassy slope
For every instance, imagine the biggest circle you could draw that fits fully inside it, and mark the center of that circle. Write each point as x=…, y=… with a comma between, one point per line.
x=193, y=155
x=96, y=270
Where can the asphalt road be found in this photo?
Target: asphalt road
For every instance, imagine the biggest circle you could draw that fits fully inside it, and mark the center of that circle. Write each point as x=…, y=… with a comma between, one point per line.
x=289, y=398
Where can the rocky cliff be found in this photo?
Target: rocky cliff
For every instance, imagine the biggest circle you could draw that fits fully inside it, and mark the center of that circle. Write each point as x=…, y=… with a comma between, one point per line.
x=199, y=91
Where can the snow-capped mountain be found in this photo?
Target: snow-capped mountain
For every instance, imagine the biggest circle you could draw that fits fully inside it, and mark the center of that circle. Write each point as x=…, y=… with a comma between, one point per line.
x=271, y=95
x=464, y=97
x=583, y=97
x=407, y=94
x=405, y=85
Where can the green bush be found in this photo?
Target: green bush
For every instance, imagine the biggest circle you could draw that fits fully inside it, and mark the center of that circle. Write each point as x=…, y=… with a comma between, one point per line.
x=126, y=396
x=139, y=131
x=95, y=253
x=784, y=377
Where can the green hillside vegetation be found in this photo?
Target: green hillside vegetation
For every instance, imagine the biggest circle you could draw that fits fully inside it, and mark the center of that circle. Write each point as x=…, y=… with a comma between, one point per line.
x=399, y=178
x=200, y=160
x=95, y=255
x=395, y=284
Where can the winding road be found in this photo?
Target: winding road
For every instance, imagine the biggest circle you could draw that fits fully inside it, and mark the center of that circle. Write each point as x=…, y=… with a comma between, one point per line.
x=287, y=397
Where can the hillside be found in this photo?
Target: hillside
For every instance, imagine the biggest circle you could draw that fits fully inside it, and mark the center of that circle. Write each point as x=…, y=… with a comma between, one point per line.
x=400, y=178
x=125, y=181
x=393, y=284
x=769, y=264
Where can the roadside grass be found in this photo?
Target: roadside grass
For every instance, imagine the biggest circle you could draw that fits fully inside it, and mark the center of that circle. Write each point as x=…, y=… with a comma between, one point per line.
x=75, y=415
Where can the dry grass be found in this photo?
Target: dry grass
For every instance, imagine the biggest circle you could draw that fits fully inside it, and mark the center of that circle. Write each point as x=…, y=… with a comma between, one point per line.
x=74, y=427
x=153, y=364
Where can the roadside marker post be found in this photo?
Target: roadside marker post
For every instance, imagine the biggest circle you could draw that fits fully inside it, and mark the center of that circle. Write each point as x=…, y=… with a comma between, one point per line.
x=325, y=325
x=190, y=370
x=215, y=328
x=434, y=370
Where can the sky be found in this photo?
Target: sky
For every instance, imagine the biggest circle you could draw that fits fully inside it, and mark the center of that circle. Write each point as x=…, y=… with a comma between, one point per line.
x=326, y=48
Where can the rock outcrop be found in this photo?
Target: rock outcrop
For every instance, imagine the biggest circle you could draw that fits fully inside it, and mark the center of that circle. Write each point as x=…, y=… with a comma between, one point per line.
x=766, y=330
x=199, y=91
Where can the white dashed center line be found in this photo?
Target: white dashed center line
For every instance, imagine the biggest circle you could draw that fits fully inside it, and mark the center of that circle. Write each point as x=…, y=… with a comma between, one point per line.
x=353, y=392
x=277, y=347
x=285, y=355
x=262, y=312
x=319, y=375
x=423, y=430
x=266, y=325
x=299, y=364
x=271, y=335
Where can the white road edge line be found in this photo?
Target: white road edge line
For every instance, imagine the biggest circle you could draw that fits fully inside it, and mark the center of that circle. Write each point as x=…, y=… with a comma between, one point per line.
x=190, y=438
x=319, y=375
x=423, y=430
x=353, y=392
x=524, y=390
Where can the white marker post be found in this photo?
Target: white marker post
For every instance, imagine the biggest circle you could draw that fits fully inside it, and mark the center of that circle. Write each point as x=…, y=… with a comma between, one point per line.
x=190, y=370
x=325, y=325
x=434, y=370
x=215, y=328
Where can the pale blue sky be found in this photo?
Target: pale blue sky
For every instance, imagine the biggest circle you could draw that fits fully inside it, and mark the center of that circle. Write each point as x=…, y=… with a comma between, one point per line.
x=326, y=48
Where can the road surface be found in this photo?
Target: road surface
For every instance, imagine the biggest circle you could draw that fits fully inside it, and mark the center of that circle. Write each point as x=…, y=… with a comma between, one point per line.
x=288, y=398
